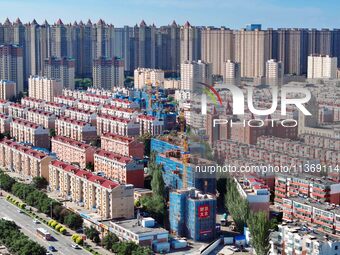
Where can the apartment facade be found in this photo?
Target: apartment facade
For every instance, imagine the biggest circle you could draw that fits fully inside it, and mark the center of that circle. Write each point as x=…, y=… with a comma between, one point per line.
x=23, y=160
x=322, y=67
x=12, y=65
x=194, y=72
x=107, y=198
x=4, y=106
x=297, y=239
x=150, y=124
x=145, y=76
x=29, y=132
x=82, y=115
x=44, y=88
x=125, y=145
x=5, y=123
x=123, y=169
x=7, y=89
x=75, y=129
x=110, y=124
x=46, y=119
x=72, y=151
x=62, y=68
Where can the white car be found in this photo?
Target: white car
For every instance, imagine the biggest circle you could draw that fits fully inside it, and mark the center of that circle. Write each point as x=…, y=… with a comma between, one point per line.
x=36, y=222
x=75, y=246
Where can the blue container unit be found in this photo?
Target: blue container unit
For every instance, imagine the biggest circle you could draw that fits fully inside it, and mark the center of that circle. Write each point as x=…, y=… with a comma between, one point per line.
x=191, y=216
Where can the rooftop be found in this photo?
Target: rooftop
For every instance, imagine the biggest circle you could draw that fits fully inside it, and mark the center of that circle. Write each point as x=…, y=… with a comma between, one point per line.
x=134, y=226
x=23, y=148
x=86, y=174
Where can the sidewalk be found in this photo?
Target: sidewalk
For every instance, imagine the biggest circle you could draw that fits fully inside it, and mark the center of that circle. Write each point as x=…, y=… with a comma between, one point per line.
x=95, y=247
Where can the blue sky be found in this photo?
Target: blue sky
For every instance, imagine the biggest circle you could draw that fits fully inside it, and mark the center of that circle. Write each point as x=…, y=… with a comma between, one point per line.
x=229, y=13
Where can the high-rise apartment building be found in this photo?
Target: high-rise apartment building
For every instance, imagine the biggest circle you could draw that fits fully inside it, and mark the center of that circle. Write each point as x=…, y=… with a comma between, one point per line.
x=217, y=46
x=144, y=46
x=142, y=76
x=11, y=65
x=61, y=68
x=322, y=67
x=44, y=88
x=108, y=73
x=194, y=72
x=274, y=72
x=252, y=52
x=231, y=72
x=7, y=89
x=190, y=43
x=59, y=40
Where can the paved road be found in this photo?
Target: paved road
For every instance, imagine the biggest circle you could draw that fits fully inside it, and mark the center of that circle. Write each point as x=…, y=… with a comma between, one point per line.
x=62, y=243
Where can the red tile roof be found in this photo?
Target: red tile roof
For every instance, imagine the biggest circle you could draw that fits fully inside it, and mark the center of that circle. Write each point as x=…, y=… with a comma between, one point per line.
x=113, y=156
x=71, y=142
x=85, y=174
x=25, y=149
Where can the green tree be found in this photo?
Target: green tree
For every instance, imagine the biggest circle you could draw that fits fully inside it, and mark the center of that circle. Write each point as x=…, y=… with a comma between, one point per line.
x=237, y=206
x=157, y=182
x=260, y=228
x=73, y=221
x=39, y=182
x=6, y=182
x=146, y=139
x=155, y=205
x=92, y=234
x=109, y=240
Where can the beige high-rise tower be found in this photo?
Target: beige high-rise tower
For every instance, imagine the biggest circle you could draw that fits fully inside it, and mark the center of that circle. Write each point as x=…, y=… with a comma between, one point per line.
x=217, y=47
x=252, y=52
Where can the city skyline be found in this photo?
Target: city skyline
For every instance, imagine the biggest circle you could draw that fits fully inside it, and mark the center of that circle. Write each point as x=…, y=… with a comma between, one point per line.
x=233, y=14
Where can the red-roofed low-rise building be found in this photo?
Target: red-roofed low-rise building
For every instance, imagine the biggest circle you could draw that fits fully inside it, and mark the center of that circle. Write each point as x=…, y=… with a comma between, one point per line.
x=5, y=123
x=126, y=113
x=55, y=108
x=107, y=198
x=29, y=132
x=32, y=102
x=110, y=124
x=150, y=124
x=46, y=119
x=23, y=160
x=4, y=106
x=17, y=110
x=75, y=129
x=72, y=151
x=124, y=145
x=123, y=169
x=82, y=115
x=70, y=101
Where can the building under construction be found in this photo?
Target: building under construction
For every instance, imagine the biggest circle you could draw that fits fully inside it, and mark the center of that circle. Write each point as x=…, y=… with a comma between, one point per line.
x=178, y=168
x=193, y=214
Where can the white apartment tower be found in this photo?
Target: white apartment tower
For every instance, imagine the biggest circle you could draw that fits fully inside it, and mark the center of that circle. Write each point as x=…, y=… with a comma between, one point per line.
x=274, y=72
x=193, y=72
x=144, y=75
x=44, y=88
x=322, y=67
x=231, y=71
